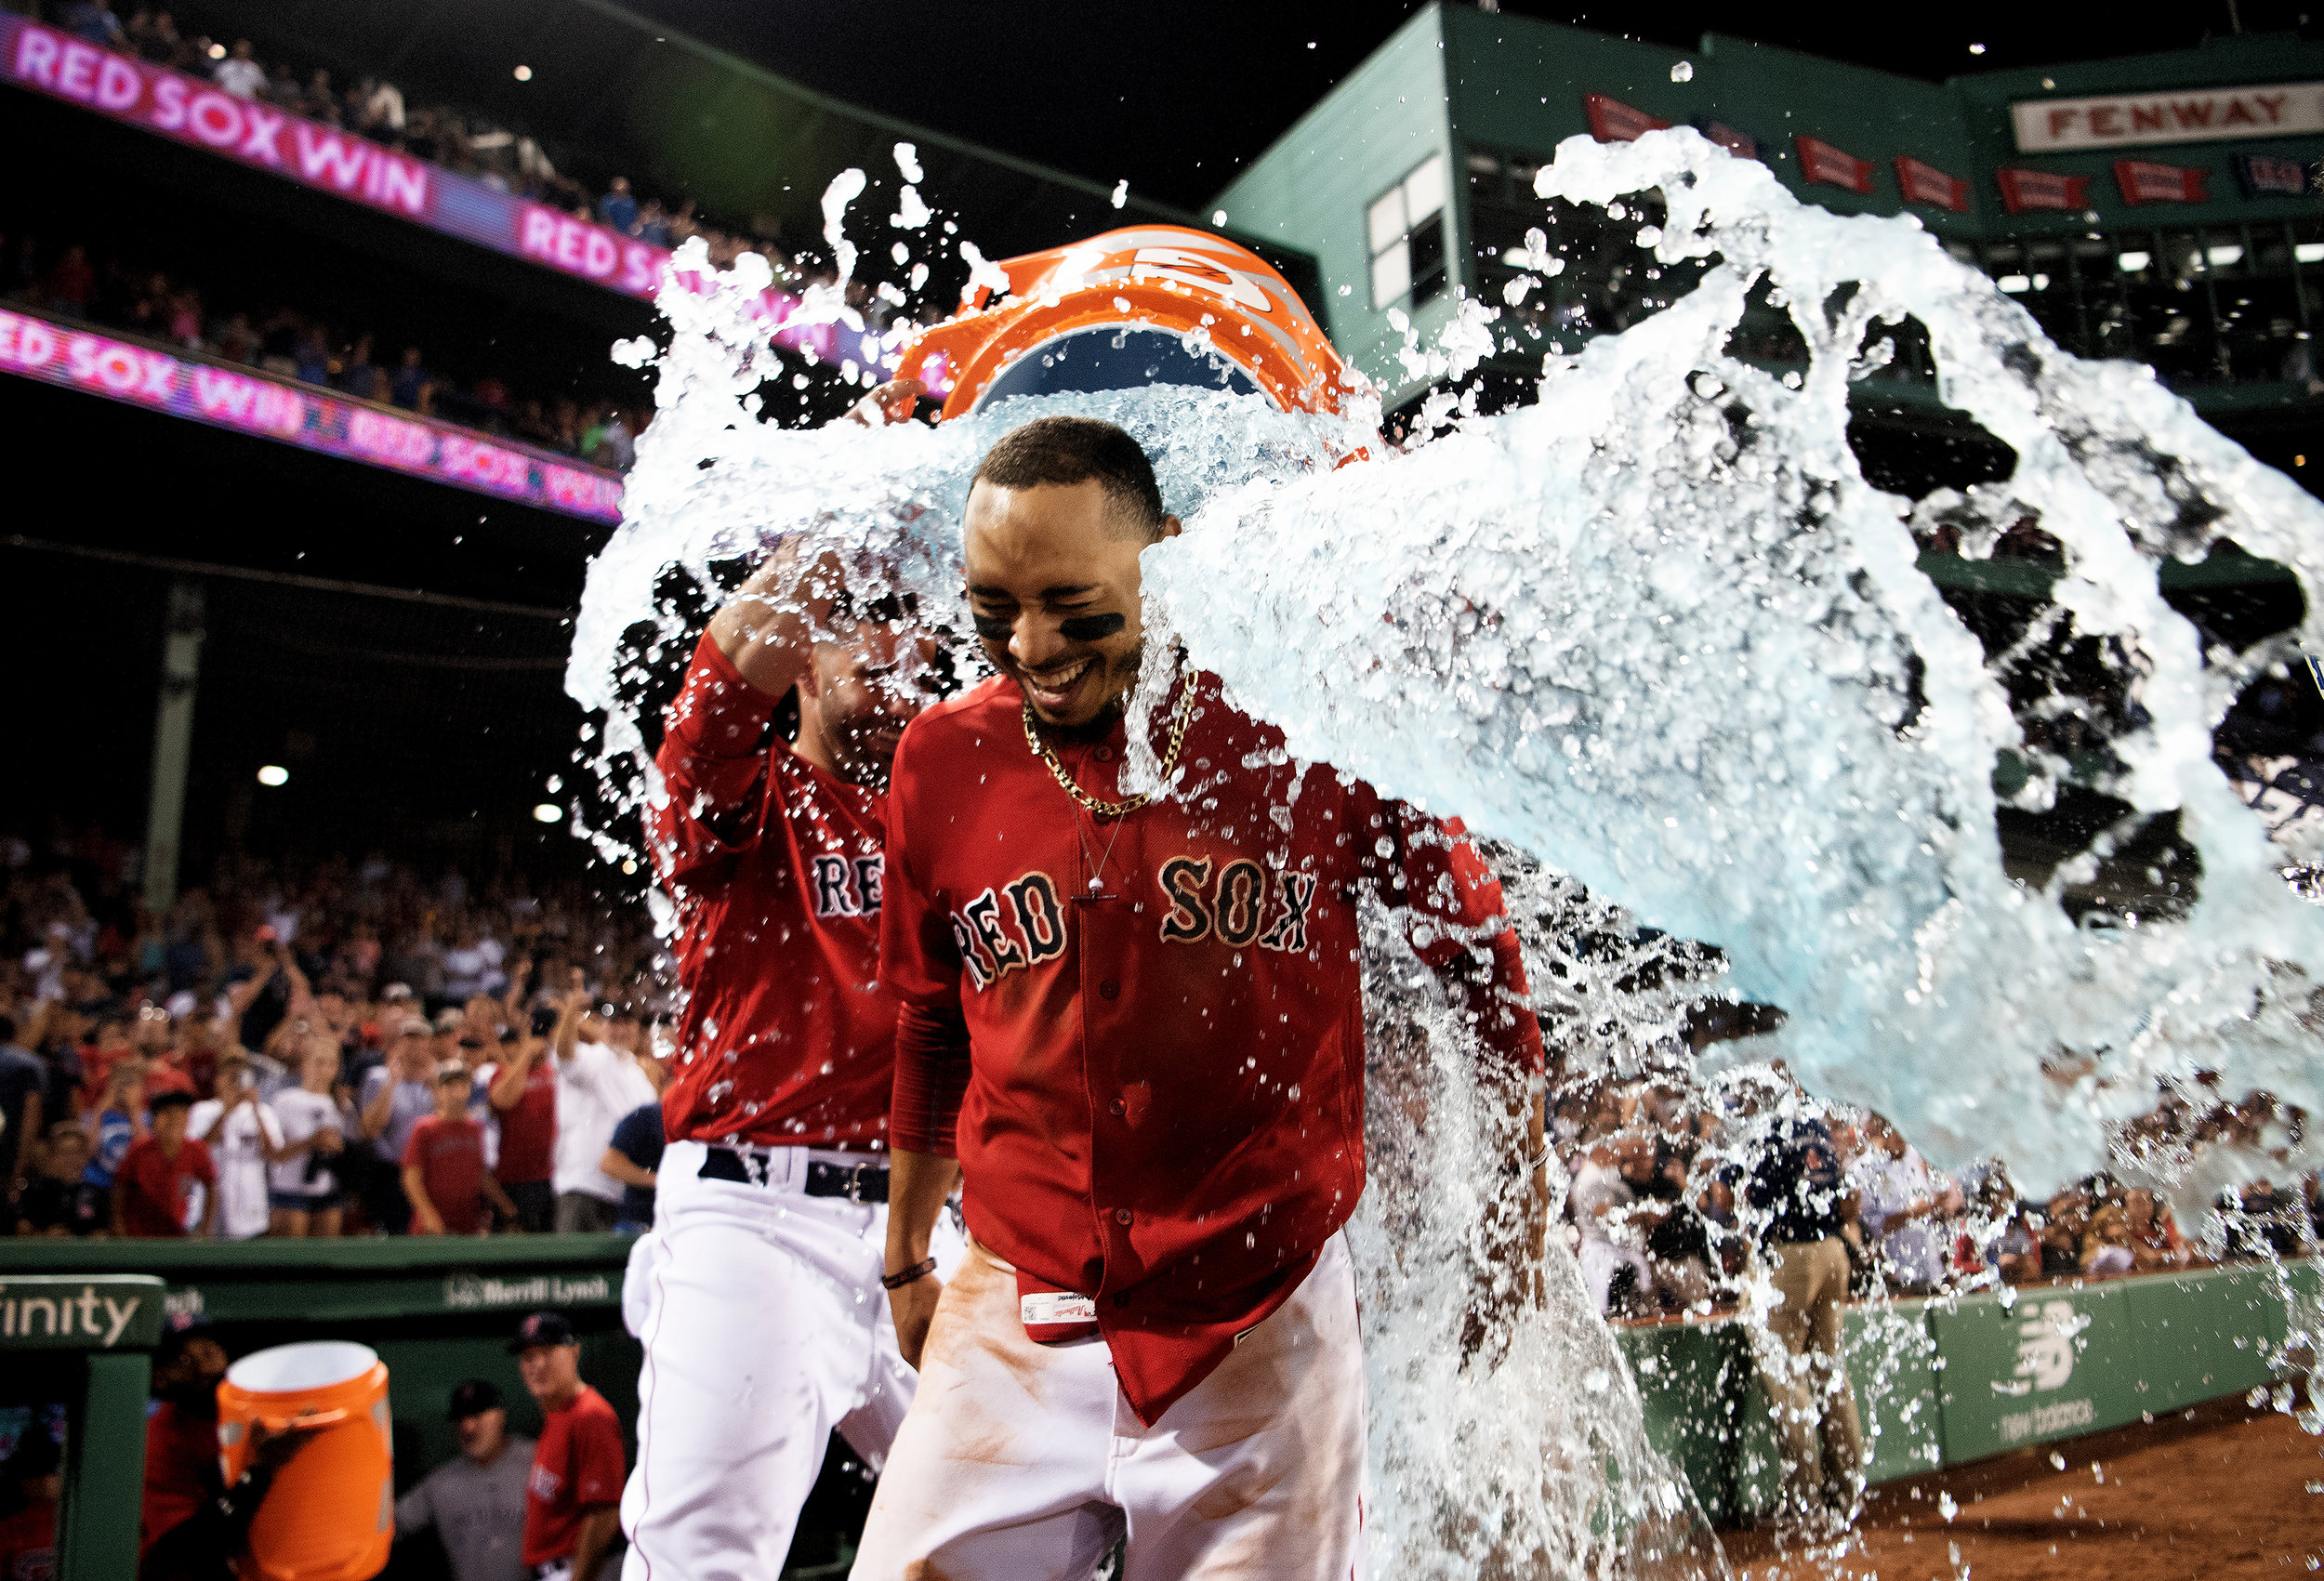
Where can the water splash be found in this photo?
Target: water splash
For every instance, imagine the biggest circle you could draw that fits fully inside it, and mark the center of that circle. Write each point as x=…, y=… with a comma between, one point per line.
x=1659, y=631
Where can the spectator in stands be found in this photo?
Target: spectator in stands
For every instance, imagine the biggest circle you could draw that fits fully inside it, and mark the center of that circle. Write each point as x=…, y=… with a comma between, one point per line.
x=600, y=1079
x=571, y=1513
x=154, y=1187
x=444, y=1177
x=305, y=1190
x=120, y=1122
x=634, y=1158
x=523, y=1092
x=395, y=1098
x=23, y=1079
x=618, y=208
x=476, y=1502
x=1902, y=1202
x=1801, y=1202
x=1613, y=1261
x=70, y=286
x=379, y=110
x=30, y=1487
x=61, y=1200
x=239, y=72
x=409, y=385
x=95, y=23
x=244, y=1139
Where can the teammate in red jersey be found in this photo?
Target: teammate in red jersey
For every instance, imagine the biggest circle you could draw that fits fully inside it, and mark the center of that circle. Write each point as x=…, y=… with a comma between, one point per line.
x=756, y=1294
x=1138, y=1027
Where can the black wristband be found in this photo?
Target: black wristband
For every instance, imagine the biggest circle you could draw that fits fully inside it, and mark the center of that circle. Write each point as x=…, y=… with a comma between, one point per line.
x=918, y=1271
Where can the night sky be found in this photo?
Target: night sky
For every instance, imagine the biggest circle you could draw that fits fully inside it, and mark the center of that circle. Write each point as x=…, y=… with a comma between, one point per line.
x=1175, y=97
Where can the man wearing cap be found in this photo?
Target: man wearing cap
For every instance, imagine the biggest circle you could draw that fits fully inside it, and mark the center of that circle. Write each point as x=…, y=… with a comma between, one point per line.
x=572, y=1504
x=475, y=1502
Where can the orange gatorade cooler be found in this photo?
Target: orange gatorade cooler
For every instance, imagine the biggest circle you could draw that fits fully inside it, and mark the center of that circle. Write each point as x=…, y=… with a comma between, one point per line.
x=330, y=1515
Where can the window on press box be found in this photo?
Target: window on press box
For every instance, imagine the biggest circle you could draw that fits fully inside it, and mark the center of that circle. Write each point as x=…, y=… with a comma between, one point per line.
x=1405, y=231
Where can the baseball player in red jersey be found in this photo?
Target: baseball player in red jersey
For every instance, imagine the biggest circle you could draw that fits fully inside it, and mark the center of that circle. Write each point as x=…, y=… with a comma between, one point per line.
x=1137, y=1026
x=757, y=1294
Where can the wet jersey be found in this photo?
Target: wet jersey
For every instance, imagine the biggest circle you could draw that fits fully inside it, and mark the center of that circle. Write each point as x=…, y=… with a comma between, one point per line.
x=1159, y=1103
x=774, y=868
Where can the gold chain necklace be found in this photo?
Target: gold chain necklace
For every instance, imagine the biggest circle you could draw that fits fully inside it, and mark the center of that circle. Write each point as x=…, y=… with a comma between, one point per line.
x=1042, y=750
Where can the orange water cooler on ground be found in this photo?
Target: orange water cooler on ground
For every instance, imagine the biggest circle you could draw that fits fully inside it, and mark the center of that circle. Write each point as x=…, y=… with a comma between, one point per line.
x=330, y=1515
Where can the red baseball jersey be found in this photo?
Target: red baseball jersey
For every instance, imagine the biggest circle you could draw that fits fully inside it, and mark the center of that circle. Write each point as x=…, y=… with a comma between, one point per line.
x=774, y=866
x=1162, y=1104
x=577, y=1467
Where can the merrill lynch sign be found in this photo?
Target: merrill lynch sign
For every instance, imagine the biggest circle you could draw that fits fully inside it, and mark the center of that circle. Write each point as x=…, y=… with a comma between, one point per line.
x=2194, y=115
x=469, y=1291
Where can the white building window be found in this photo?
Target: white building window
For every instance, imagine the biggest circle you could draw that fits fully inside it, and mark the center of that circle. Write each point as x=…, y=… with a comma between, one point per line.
x=1405, y=231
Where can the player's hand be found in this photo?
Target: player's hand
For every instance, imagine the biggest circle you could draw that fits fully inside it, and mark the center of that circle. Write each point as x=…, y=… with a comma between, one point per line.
x=913, y=1308
x=891, y=403
x=1509, y=1282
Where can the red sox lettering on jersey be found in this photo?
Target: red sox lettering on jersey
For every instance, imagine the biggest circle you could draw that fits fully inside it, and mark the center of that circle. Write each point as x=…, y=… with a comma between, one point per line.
x=775, y=870
x=1163, y=1102
x=1243, y=904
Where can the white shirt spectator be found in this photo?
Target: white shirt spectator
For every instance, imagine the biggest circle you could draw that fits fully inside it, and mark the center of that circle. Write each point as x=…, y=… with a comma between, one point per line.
x=243, y=79
x=470, y=969
x=300, y=1115
x=1598, y=1192
x=1915, y=1248
x=595, y=1088
x=238, y=1142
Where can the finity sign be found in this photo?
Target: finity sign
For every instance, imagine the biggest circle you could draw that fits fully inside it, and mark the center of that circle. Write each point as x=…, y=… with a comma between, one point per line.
x=2191, y=115
x=250, y=402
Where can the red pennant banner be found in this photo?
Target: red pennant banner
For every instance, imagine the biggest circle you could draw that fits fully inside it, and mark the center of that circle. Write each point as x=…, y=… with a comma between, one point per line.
x=1611, y=121
x=1834, y=167
x=2143, y=181
x=1926, y=184
x=2023, y=190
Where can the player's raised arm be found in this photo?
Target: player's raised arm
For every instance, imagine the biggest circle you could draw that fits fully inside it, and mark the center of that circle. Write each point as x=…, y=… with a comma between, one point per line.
x=713, y=754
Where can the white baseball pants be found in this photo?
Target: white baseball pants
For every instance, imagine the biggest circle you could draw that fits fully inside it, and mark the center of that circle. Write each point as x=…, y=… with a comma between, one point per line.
x=1023, y=1462
x=764, y=1326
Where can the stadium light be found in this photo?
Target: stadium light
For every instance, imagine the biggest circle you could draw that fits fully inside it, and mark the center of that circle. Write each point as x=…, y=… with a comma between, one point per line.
x=548, y=812
x=525, y=73
x=273, y=774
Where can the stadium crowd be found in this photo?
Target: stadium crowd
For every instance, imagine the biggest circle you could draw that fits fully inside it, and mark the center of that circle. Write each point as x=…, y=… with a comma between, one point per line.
x=461, y=141
x=1671, y=1191
x=70, y=280
x=352, y=1046
x=337, y=1047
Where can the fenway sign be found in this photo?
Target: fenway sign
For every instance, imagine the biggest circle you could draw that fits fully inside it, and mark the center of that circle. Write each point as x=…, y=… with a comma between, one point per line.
x=2193, y=115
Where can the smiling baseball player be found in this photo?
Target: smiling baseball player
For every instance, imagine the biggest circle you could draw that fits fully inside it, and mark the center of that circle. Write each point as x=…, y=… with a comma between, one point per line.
x=1138, y=1027
x=757, y=1294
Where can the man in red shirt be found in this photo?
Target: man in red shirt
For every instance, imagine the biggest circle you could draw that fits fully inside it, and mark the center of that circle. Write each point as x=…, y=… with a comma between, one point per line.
x=444, y=1166
x=523, y=1093
x=757, y=1294
x=156, y=1175
x=572, y=1511
x=1138, y=1026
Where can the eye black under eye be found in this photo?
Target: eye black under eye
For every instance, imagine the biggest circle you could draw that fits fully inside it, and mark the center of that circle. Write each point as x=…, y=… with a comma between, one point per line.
x=1089, y=629
x=995, y=627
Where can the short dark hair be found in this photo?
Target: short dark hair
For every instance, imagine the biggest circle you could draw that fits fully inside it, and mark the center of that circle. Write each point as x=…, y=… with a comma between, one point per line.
x=1066, y=451
x=174, y=1099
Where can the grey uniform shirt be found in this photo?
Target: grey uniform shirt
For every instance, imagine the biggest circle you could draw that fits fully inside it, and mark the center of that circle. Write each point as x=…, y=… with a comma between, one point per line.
x=478, y=1511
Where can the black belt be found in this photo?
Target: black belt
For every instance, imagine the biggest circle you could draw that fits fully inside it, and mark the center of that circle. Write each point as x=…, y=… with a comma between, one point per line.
x=856, y=1182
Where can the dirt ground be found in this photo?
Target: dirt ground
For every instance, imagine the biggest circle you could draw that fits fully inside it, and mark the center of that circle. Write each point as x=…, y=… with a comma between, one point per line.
x=2218, y=1492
